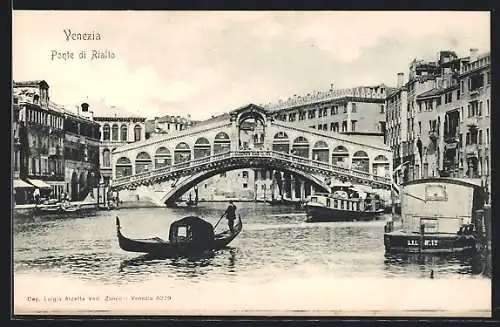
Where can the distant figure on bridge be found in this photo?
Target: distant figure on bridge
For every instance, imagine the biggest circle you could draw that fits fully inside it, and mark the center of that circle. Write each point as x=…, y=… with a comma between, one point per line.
x=231, y=215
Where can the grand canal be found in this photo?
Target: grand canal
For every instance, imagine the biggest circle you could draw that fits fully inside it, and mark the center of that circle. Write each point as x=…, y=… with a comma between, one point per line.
x=328, y=262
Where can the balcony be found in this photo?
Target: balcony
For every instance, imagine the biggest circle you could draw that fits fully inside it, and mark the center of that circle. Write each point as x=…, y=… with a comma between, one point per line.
x=55, y=151
x=474, y=93
x=472, y=122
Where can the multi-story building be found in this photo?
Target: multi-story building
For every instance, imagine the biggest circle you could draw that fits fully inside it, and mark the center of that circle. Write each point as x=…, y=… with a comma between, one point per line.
x=163, y=125
x=81, y=153
x=438, y=121
x=40, y=136
x=359, y=109
x=117, y=128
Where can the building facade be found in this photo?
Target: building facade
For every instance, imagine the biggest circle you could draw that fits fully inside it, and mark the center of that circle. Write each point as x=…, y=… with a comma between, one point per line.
x=117, y=129
x=164, y=125
x=439, y=120
x=38, y=138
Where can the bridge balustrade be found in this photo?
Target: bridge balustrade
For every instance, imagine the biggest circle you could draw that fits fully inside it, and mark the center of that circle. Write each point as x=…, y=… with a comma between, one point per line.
x=251, y=154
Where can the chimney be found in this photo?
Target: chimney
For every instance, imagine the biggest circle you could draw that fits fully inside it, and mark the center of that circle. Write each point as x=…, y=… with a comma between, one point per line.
x=473, y=54
x=400, y=82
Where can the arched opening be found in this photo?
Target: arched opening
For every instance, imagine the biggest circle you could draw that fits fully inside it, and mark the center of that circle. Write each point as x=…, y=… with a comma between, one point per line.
x=123, y=167
x=321, y=152
x=105, y=132
x=281, y=142
x=182, y=153
x=340, y=156
x=114, y=132
x=251, y=132
x=360, y=161
x=222, y=143
x=106, y=158
x=143, y=162
x=300, y=147
x=83, y=188
x=201, y=148
x=74, y=186
x=124, y=133
x=163, y=157
x=380, y=166
x=137, y=132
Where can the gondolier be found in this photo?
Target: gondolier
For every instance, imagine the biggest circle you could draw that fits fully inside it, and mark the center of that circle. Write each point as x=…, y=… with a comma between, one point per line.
x=231, y=215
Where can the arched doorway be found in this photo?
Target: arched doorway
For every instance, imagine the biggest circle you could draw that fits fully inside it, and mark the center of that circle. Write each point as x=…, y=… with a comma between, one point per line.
x=340, y=156
x=182, y=153
x=360, y=161
x=300, y=147
x=321, y=152
x=201, y=148
x=163, y=157
x=222, y=143
x=380, y=166
x=123, y=167
x=281, y=142
x=251, y=131
x=143, y=162
x=74, y=186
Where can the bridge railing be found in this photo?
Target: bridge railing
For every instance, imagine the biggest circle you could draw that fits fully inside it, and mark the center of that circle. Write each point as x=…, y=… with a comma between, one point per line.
x=251, y=154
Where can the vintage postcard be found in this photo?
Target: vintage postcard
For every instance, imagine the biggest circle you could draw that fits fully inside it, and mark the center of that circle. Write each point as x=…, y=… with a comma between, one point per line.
x=251, y=163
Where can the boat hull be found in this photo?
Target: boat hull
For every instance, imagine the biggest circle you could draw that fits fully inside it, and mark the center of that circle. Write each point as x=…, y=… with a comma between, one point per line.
x=160, y=248
x=323, y=214
x=401, y=242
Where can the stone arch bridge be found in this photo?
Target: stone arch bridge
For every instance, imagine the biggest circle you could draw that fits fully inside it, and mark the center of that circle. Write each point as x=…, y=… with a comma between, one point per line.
x=249, y=137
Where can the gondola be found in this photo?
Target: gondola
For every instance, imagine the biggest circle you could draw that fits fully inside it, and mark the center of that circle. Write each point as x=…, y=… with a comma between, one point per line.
x=187, y=237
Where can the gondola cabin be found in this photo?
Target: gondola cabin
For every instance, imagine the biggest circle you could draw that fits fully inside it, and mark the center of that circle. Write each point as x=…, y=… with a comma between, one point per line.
x=438, y=215
x=193, y=231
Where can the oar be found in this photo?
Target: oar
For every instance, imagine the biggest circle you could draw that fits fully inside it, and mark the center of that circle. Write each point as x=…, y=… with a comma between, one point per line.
x=220, y=219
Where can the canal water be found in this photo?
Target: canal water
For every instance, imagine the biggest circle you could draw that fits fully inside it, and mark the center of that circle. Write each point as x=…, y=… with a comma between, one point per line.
x=278, y=262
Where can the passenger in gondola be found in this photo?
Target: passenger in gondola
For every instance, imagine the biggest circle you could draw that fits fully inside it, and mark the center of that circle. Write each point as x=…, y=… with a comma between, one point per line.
x=231, y=216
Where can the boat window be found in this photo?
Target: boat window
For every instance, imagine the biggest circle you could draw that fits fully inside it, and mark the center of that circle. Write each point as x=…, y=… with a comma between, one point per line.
x=335, y=204
x=328, y=202
x=314, y=199
x=435, y=192
x=342, y=204
x=430, y=225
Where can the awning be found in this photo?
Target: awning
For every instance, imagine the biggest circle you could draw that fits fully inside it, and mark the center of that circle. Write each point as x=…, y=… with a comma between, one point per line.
x=38, y=183
x=18, y=183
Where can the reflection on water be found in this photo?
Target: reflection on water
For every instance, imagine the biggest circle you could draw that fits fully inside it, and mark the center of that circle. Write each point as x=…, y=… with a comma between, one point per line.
x=275, y=242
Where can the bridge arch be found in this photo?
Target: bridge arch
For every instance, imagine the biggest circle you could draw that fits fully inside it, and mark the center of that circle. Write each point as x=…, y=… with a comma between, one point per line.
x=361, y=161
x=182, y=153
x=202, y=148
x=222, y=143
x=380, y=165
x=300, y=147
x=193, y=180
x=123, y=167
x=321, y=151
x=281, y=142
x=340, y=156
x=163, y=157
x=143, y=162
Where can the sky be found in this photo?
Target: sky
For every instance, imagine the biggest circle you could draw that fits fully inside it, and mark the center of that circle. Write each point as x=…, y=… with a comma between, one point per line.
x=207, y=63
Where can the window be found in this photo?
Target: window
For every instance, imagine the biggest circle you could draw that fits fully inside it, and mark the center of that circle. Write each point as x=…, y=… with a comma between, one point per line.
x=462, y=87
x=480, y=137
x=105, y=132
x=124, y=136
x=344, y=126
x=487, y=107
x=353, y=107
x=488, y=77
x=420, y=107
x=382, y=109
x=345, y=108
x=245, y=185
x=480, y=111
x=106, y=158
x=353, y=126
x=419, y=128
x=137, y=133
x=487, y=136
x=458, y=94
x=114, y=133
x=332, y=126
x=320, y=127
x=245, y=174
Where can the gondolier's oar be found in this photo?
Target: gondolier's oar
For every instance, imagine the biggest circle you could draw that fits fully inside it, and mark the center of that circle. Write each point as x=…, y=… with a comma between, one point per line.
x=220, y=219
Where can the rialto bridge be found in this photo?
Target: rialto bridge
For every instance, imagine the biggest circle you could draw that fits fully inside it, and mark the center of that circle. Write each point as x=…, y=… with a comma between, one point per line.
x=249, y=137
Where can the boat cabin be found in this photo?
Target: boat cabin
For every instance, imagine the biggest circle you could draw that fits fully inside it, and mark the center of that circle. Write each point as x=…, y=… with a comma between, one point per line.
x=440, y=205
x=192, y=230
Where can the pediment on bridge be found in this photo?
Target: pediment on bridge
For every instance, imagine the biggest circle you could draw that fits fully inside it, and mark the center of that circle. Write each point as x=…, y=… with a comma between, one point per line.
x=249, y=109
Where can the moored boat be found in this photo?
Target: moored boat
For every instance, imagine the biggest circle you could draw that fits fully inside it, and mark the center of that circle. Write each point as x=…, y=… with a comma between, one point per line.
x=438, y=215
x=187, y=236
x=344, y=203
